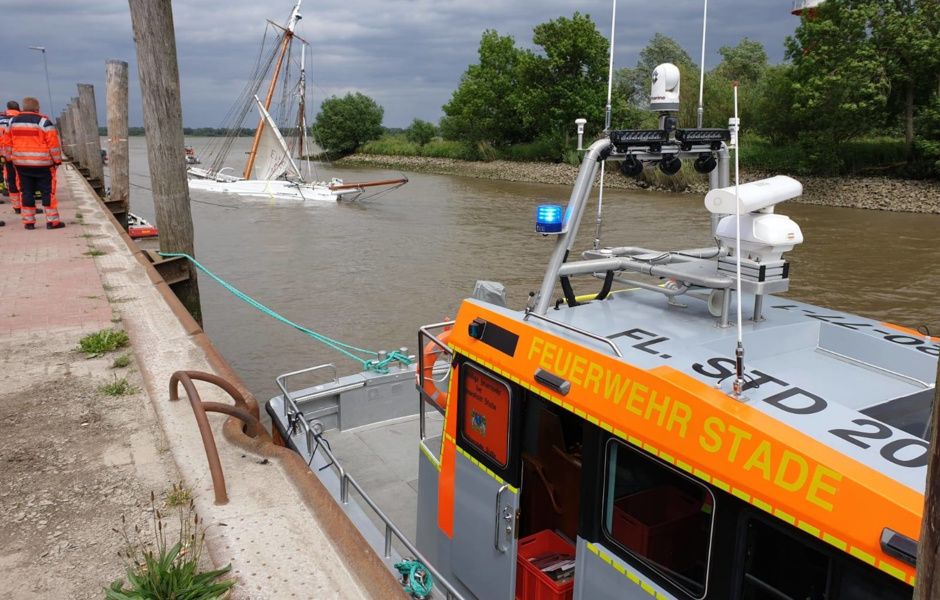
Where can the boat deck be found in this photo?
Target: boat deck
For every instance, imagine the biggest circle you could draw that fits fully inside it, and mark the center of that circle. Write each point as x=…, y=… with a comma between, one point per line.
x=384, y=460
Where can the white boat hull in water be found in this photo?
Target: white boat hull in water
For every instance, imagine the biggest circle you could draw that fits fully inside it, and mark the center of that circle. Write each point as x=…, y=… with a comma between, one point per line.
x=280, y=188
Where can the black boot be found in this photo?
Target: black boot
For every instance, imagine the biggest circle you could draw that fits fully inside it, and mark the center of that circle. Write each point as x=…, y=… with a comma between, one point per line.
x=30, y=226
x=58, y=225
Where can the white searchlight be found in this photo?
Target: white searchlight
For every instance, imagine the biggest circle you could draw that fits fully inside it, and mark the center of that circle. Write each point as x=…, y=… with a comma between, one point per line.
x=764, y=235
x=754, y=196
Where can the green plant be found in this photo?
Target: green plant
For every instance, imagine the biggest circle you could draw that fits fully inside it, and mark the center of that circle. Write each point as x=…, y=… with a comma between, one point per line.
x=118, y=387
x=121, y=361
x=79, y=215
x=178, y=495
x=95, y=252
x=391, y=145
x=106, y=340
x=159, y=570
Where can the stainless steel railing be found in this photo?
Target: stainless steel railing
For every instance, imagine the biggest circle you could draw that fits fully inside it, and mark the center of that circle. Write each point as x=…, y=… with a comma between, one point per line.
x=425, y=337
x=391, y=530
x=297, y=424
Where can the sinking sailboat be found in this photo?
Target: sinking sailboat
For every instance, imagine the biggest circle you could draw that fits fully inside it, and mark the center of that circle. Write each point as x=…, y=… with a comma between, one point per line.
x=272, y=171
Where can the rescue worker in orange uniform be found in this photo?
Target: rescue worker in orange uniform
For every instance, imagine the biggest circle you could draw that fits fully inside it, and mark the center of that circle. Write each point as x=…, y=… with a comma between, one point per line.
x=35, y=152
x=9, y=173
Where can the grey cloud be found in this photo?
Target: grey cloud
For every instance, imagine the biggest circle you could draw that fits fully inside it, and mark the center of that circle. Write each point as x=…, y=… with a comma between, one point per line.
x=407, y=54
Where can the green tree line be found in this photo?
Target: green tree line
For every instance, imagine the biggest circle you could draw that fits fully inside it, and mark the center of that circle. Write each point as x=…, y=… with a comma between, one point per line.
x=190, y=131
x=859, y=88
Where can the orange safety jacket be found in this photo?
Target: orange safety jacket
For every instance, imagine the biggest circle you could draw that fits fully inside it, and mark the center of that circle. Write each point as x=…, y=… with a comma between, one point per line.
x=5, y=132
x=33, y=141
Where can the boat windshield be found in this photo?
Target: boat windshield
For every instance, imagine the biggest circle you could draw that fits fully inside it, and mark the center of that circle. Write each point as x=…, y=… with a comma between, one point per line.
x=908, y=413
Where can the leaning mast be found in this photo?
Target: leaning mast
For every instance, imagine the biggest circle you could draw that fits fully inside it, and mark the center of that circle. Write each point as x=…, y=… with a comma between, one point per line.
x=288, y=35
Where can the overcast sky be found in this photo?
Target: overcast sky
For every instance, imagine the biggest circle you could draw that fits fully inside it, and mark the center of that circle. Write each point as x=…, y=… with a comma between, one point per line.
x=407, y=55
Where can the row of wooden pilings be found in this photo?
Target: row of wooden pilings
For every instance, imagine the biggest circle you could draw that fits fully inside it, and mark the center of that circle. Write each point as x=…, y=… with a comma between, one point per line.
x=78, y=133
x=155, y=41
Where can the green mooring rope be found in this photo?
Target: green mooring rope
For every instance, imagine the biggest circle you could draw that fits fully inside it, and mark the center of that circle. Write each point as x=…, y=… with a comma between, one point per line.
x=416, y=579
x=379, y=366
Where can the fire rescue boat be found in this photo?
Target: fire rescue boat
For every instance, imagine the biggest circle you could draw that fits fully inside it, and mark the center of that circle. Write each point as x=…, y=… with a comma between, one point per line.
x=632, y=442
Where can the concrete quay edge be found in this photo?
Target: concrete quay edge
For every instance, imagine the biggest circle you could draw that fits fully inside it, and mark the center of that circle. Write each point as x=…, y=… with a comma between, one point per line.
x=283, y=533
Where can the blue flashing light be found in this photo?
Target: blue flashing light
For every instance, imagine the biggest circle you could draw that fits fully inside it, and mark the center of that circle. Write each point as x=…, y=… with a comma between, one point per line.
x=549, y=219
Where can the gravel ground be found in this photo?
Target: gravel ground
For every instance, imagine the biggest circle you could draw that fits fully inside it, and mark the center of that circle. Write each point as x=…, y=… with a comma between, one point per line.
x=875, y=193
x=74, y=461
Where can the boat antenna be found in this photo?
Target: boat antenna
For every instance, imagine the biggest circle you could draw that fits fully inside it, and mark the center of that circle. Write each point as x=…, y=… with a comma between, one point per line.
x=610, y=87
x=701, y=83
x=738, y=384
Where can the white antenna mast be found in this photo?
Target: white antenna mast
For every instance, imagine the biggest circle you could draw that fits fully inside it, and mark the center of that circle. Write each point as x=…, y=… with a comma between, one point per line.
x=701, y=84
x=738, y=384
x=610, y=87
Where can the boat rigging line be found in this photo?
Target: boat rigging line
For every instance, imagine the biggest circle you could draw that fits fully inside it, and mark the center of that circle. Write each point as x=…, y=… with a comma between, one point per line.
x=380, y=363
x=607, y=114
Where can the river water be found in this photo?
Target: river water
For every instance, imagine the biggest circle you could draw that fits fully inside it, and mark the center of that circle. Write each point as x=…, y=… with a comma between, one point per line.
x=370, y=273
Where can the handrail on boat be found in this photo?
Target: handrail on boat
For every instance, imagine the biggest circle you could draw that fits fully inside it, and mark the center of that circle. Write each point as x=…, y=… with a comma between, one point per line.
x=593, y=336
x=425, y=337
x=390, y=529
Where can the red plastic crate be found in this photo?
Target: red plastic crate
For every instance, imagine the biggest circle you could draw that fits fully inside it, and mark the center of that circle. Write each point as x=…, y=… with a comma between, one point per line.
x=531, y=583
x=650, y=522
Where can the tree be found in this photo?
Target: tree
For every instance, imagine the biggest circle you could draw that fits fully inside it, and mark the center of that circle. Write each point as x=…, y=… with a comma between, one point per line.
x=484, y=107
x=345, y=124
x=568, y=80
x=773, y=105
x=840, y=80
x=420, y=132
x=744, y=63
x=905, y=33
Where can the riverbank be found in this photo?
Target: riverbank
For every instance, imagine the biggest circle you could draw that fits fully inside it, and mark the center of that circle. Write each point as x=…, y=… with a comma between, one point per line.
x=872, y=193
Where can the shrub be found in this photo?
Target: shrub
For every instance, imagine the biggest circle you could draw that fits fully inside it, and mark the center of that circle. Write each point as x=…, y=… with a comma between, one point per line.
x=420, y=132
x=160, y=571
x=448, y=149
x=391, y=145
x=106, y=340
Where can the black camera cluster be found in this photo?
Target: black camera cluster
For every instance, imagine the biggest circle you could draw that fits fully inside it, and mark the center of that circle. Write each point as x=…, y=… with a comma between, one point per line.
x=653, y=140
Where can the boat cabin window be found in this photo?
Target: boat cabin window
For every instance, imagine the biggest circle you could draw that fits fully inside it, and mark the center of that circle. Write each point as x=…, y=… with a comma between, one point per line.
x=780, y=566
x=659, y=515
x=486, y=406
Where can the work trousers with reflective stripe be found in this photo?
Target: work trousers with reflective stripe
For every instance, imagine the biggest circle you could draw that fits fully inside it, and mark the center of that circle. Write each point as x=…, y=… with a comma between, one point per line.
x=12, y=188
x=31, y=179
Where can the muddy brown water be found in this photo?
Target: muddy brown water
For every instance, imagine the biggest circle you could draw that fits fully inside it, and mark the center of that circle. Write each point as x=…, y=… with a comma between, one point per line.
x=370, y=273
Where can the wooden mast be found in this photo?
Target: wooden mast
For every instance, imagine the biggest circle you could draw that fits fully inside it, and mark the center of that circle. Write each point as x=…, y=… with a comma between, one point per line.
x=288, y=34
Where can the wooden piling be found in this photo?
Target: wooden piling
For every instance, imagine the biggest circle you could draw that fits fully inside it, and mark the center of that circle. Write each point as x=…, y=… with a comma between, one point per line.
x=86, y=95
x=62, y=125
x=118, y=159
x=81, y=150
x=157, y=65
x=928, y=546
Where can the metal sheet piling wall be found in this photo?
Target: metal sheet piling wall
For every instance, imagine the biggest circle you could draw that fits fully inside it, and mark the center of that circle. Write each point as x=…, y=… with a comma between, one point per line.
x=89, y=110
x=118, y=157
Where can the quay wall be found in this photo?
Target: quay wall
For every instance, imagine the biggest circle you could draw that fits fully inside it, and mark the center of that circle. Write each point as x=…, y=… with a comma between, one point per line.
x=281, y=530
x=874, y=193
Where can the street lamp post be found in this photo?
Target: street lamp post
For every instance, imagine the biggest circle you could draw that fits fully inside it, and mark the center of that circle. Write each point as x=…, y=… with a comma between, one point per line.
x=46, y=68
